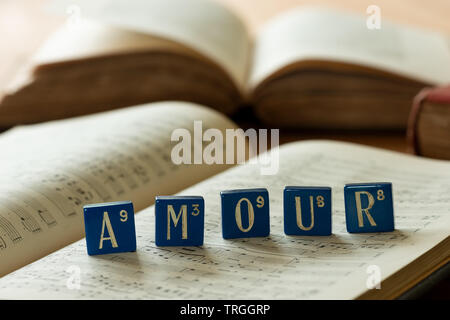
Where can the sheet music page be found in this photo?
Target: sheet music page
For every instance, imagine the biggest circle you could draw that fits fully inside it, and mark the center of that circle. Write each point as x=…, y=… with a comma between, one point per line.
x=275, y=267
x=202, y=25
x=49, y=171
x=314, y=33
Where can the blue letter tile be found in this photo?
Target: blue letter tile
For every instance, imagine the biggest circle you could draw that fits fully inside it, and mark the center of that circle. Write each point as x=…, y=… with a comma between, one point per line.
x=369, y=207
x=307, y=211
x=109, y=227
x=180, y=220
x=245, y=213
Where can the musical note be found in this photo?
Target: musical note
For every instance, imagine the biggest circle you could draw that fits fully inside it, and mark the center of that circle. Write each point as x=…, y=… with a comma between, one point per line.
x=37, y=207
x=9, y=230
x=26, y=219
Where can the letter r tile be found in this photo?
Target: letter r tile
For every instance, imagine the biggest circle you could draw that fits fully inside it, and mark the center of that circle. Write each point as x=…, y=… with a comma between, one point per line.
x=369, y=207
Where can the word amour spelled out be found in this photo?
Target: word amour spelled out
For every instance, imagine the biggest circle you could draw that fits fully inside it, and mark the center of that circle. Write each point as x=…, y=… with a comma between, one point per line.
x=180, y=220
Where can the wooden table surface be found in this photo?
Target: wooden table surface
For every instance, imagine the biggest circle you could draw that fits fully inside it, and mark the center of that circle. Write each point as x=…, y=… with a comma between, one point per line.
x=24, y=24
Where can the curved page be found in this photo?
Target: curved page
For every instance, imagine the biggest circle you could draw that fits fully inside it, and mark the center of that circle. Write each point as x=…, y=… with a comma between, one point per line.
x=332, y=35
x=49, y=171
x=202, y=25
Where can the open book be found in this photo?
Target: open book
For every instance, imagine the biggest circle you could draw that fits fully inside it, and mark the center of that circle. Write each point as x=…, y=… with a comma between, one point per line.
x=49, y=171
x=309, y=67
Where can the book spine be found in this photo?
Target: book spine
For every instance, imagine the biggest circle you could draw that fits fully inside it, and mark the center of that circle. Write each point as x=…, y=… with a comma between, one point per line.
x=434, y=95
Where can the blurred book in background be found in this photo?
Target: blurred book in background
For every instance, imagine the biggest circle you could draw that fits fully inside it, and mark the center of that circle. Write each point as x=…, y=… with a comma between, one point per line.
x=306, y=68
x=429, y=125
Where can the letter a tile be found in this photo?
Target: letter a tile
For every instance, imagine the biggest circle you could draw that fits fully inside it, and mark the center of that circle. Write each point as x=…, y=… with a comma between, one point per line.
x=109, y=227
